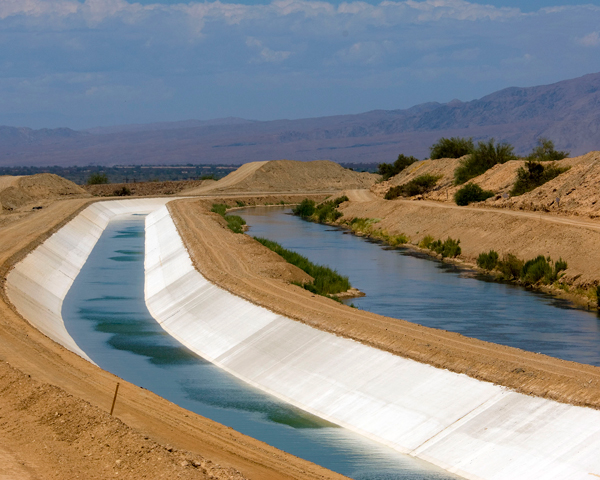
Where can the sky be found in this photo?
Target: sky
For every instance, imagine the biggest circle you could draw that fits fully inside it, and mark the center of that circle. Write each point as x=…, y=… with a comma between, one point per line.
x=81, y=64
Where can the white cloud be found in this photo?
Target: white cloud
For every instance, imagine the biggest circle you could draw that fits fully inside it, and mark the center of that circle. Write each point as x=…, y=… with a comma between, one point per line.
x=265, y=53
x=591, y=40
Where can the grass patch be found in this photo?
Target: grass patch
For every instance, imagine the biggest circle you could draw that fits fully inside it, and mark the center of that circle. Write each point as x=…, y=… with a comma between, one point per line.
x=326, y=281
x=417, y=186
x=234, y=222
x=470, y=193
x=449, y=248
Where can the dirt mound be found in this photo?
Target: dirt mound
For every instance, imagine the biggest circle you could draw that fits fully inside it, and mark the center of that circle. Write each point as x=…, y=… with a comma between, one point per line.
x=575, y=192
x=144, y=188
x=23, y=192
x=288, y=176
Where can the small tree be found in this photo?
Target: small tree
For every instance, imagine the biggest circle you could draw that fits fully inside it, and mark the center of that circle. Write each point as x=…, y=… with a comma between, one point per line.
x=484, y=157
x=97, y=178
x=533, y=175
x=454, y=147
x=545, y=151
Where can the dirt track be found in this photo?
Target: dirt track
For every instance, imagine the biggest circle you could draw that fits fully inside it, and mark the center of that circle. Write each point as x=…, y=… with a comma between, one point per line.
x=238, y=270
x=53, y=407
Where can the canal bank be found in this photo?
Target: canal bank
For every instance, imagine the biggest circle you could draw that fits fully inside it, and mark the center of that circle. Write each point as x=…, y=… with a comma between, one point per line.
x=484, y=420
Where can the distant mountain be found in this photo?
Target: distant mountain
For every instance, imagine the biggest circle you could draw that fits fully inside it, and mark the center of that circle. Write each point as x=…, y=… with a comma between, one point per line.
x=567, y=112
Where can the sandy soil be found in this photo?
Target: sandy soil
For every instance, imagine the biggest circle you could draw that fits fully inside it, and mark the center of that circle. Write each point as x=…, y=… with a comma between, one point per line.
x=288, y=176
x=53, y=405
x=239, y=271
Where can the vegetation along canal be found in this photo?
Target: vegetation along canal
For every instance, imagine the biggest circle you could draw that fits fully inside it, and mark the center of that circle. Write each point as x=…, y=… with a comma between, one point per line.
x=106, y=314
x=422, y=290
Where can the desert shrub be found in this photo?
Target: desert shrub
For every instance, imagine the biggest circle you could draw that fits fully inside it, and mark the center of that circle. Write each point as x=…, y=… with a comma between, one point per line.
x=598, y=293
x=388, y=170
x=488, y=261
x=122, y=192
x=97, y=178
x=449, y=248
x=510, y=267
x=470, y=193
x=484, y=157
x=417, y=186
x=305, y=209
x=533, y=175
x=239, y=203
x=454, y=147
x=393, y=240
x=537, y=269
x=560, y=265
x=326, y=281
x=426, y=241
x=545, y=152
x=362, y=225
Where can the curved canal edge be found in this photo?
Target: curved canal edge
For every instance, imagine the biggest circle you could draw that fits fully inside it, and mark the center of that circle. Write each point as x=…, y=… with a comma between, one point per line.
x=476, y=429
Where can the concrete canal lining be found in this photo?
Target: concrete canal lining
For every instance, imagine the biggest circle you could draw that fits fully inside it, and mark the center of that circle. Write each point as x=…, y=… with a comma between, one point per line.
x=476, y=429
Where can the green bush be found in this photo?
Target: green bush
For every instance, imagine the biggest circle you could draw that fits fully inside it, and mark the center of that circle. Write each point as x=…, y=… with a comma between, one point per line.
x=454, y=147
x=426, y=242
x=417, y=186
x=510, y=267
x=488, y=261
x=449, y=248
x=388, y=170
x=326, y=281
x=97, y=178
x=533, y=175
x=239, y=203
x=537, y=269
x=545, y=152
x=471, y=192
x=484, y=157
x=305, y=209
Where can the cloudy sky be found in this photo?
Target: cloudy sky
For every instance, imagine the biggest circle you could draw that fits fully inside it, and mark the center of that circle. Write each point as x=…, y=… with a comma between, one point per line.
x=106, y=62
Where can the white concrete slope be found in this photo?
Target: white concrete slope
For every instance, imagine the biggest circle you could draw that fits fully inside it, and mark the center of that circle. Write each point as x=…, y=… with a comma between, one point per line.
x=38, y=285
x=475, y=429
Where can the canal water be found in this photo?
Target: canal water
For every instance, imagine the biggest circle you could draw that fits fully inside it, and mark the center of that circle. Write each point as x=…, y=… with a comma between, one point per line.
x=401, y=284
x=106, y=315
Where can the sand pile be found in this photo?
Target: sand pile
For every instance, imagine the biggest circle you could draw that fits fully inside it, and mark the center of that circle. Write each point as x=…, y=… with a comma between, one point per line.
x=35, y=190
x=288, y=176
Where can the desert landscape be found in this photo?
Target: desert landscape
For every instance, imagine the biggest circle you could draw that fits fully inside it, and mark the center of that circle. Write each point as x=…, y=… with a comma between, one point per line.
x=54, y=415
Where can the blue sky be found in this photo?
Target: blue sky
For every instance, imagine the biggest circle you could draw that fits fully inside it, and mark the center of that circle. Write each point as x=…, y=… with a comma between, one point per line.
x=105, y=62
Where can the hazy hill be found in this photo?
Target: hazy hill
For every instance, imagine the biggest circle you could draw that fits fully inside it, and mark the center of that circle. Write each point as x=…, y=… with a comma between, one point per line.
x=567, y=112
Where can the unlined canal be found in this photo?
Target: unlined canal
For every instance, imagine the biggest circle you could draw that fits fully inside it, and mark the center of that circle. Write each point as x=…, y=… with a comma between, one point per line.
x=106, y=315
x=400, y=284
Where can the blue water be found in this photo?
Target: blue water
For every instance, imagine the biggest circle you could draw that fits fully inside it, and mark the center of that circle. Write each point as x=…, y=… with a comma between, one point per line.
x=106, y=315
x=422, y=290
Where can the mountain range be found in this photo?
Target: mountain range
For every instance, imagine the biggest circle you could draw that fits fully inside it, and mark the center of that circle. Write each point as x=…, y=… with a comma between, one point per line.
x=567, y=112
